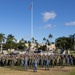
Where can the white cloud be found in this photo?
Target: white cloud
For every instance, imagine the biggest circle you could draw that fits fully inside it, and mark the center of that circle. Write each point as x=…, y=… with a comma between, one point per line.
x=70, y=23
x=47, y=26
x=49, y=15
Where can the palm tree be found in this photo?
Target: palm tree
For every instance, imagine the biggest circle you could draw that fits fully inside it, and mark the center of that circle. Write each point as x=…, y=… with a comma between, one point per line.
x=2, y=39
x=10, y=37
x=10, y=41
x=22, y=44
x=29, y=45
x=47, y=42
x=32, y=39
x=44, y=39
x=22, y=40
x=50, y=36
x=37, y=44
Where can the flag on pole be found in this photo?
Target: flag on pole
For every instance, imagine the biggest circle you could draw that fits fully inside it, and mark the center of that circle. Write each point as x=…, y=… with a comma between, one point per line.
x=30, y=6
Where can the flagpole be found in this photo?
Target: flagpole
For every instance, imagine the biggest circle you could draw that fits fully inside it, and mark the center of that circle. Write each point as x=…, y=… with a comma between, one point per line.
x=32, y=20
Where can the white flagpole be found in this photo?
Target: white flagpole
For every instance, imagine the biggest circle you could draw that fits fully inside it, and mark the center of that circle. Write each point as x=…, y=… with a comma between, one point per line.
x=32, y=20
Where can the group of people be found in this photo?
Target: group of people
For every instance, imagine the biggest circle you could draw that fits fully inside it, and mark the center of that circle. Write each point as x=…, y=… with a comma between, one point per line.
x=34, y=61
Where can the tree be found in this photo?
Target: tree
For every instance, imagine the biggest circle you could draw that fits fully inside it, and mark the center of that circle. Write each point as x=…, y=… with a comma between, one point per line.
x=2, y=39
x=74, y=41
x=29, y=44
x=59, y=42
x=22, y=40
x=33, y=39
x=47, y=42
x=37, y=44
x=50, y=36
x=10, y=42
x=21, y=44
x=44, y=39
x=72, y=38
x=43, y=48
x=63, y=43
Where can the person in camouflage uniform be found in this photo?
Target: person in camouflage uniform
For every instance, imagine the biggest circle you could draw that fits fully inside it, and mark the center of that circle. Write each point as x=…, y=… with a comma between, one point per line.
x=42, y=61
x=22, y=61
x=26, y=63
x=62, y=61
x=47, y=63
x=53, y=62
x=35, y=64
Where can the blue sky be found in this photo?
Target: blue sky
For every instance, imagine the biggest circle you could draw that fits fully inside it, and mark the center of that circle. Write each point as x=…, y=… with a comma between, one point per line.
x=56, y=17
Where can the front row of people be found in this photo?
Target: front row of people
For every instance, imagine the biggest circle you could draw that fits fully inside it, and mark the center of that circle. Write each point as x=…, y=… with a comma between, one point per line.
x=44, y=61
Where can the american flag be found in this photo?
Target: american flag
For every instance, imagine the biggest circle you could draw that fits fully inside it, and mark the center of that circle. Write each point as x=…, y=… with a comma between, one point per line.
x=30, y=6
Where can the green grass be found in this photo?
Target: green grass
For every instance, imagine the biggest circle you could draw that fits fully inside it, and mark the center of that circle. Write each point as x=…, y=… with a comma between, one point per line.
x=72, y=73
x=72, y=52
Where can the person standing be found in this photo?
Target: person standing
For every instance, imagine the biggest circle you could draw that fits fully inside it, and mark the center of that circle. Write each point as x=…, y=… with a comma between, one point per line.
x=25, y=63
x=53, y=60
x=71, y=60
x=35, y=65
x=47, y=64
x=62, y=61
x=21, y=61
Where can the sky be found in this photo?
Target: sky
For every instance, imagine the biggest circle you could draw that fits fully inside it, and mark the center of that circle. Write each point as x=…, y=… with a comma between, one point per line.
x=56, y=17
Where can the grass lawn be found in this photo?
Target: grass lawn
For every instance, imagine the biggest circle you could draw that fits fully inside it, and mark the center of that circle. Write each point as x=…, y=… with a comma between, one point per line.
x=52, y=71
x=72, y=52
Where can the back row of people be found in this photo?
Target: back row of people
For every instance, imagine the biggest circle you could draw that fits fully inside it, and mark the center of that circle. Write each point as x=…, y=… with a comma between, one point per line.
x=45, y=61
